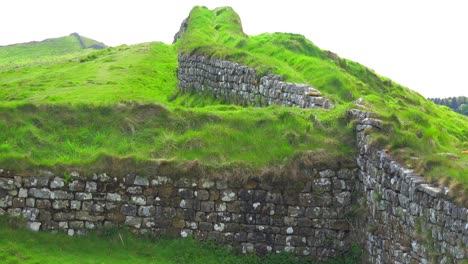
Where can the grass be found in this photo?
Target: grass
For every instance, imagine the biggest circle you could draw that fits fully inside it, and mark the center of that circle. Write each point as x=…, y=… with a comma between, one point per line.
x=70, y=109
x=124, y=102
x=429, y=138
x=114, y=245
x=43, y=52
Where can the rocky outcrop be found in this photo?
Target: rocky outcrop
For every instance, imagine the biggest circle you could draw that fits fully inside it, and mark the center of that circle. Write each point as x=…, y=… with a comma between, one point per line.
x=238, y=84
x=181, y=32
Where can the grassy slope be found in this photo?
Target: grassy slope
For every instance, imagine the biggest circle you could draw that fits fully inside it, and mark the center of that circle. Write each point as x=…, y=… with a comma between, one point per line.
x=429, y=138
x=73, y=112
x=77, y=109
x=46, y=51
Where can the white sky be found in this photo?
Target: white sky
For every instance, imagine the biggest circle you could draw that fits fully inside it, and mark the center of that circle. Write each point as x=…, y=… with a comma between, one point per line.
x=420, y=44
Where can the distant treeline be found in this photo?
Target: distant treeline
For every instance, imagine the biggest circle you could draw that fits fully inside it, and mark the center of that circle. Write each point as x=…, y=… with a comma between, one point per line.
x=458, y=104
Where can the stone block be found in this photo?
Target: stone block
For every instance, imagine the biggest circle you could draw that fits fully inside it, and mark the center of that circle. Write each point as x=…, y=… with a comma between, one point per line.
x=39, y=193
x=60, y=204
x=91, y=187
x=202, y=195
x=60, y=195
x=141, y=181
x=113, y=197
x=56, y=183
x=87, y=216
x=135, y=190
x=146, y=211
x=129, y=210
x=133, y=221
x=138, y=200
x=75, y=205
x=207, y=206
x=18, y=202
x=76, y=186
x=83, y=196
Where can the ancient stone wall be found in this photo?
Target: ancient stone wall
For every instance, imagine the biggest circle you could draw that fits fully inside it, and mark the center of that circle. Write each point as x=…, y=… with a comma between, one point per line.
x=390, y=211
x=305, y=216
x=239, y=84
x=407, y=220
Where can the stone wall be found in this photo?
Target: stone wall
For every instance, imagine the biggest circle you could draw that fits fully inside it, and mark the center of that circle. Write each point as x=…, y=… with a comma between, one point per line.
x=305, y=216
x=408, y=220
x=239, y=84
x=390, y=211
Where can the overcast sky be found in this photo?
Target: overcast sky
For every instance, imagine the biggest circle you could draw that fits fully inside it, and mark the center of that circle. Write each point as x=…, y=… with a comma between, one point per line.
x=420, y=44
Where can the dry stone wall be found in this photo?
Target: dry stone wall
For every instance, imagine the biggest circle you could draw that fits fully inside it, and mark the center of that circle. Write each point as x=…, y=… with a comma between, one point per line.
x=304, y=217
x=408, y=220
x=320, y=214
x=239, y=84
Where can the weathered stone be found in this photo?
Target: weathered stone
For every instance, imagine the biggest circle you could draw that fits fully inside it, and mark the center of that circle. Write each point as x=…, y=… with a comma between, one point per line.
x=87, y=216
x=75, y=205
x=86, y=206
x=138, y=200
x=208, y=206
x=83, y=196
x=141, y=181
x=60, y=195
x=130, y=210
x=42, y=182
x=76, y=186
x=60, y=204
x=39, y=193
x=18, y=202
x=62, y=216
x=185, y=193
x=202, y=195
x=91, y=187
x=228, y=195
x=113, y=197
x=22, y=193
x=57, y=183
x=146, y=211
x=30, y=202
x=76, y=224
x=133, y=221
x=34, y=226
x=98, y=207
x=135, y=190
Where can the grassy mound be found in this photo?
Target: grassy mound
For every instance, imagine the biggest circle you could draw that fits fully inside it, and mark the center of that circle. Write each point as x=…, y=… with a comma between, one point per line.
x=429, y=138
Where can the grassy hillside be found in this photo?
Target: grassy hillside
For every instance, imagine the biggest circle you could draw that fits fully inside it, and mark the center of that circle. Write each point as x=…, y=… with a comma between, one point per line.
x=42, y=52
x=431, y=139
x=121, y=103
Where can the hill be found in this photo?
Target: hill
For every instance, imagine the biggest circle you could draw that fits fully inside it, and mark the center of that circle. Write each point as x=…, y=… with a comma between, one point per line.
x=46, y=51
x=119, y=109
x=429, y=138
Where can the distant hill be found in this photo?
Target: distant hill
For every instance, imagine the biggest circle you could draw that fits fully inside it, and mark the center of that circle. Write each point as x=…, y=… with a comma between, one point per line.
x=46, y=51
x=458, y=104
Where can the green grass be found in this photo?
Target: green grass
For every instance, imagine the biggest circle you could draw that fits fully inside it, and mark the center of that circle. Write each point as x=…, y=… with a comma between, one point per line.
x=429, y=138
x=42, y=52
x=113, y=245
x=70, y=109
